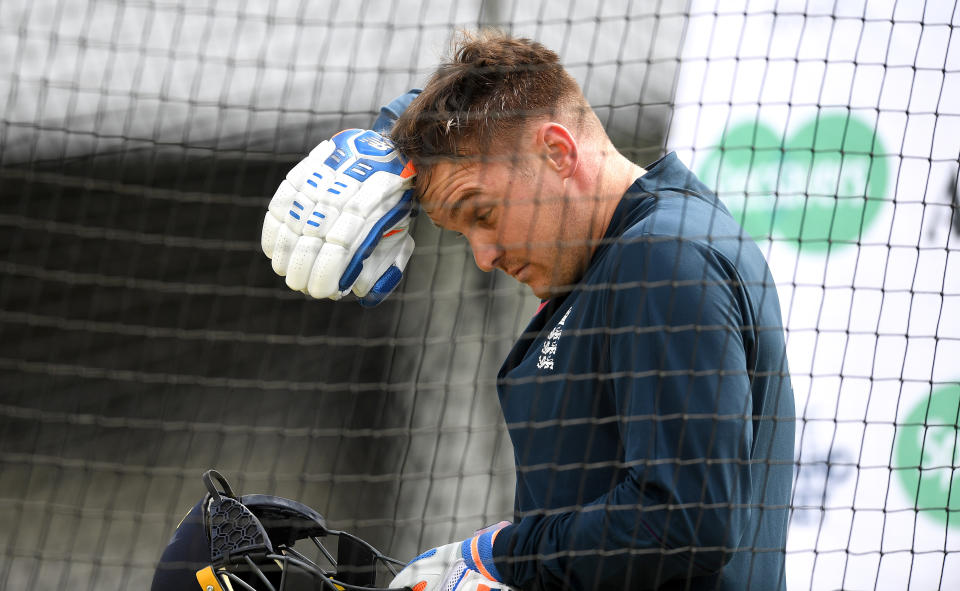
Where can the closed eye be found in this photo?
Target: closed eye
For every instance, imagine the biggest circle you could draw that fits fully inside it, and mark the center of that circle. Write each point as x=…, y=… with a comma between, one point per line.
x=483, y=215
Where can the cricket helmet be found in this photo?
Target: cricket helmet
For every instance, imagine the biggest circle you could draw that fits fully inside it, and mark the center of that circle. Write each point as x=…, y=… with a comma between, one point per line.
x=228, y=542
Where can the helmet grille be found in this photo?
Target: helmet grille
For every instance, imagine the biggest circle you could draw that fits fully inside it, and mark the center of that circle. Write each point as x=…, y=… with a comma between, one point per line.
x=235, y=531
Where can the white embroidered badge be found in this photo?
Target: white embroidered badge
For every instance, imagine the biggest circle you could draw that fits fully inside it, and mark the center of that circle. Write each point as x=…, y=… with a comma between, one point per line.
x=549, y=349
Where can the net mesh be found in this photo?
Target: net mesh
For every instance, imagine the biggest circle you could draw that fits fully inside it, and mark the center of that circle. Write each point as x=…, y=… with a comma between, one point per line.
x=145, y=338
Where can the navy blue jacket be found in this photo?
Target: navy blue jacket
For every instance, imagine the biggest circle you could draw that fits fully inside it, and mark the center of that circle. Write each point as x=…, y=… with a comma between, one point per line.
x=651, y=411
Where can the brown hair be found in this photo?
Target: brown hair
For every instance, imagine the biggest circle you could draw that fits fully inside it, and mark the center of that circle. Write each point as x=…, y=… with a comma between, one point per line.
x=478, y=98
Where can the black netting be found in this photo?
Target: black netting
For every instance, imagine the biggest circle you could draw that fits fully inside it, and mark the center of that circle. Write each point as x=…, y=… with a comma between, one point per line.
x=144, y=337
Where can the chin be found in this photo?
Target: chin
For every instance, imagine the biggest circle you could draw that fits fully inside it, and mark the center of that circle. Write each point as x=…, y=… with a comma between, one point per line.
x=540, y=293
x=545, y=292
x=550, y=288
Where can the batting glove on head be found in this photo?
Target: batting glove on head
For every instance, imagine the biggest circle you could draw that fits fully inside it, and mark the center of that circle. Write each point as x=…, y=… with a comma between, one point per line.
x=340, y=220
x=461, y=566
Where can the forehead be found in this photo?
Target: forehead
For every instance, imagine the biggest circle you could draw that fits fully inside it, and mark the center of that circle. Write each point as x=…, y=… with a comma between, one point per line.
x=448, y=181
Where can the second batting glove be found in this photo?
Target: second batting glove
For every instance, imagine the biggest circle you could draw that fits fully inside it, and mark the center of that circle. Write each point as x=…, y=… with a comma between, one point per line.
x=461, y=566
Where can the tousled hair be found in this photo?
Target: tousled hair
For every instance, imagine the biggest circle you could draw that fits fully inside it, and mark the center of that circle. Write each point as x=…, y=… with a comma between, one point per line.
x=477, y=100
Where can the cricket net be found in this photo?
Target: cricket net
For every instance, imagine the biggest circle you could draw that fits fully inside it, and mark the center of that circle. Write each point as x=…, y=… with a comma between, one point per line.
x=145, y=338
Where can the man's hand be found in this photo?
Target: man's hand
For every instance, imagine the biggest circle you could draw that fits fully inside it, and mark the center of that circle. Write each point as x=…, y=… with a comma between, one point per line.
x=461, y=566
x=340, y=220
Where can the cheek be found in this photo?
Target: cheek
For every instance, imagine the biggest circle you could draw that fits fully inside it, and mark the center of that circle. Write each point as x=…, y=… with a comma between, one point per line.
x=529, y=226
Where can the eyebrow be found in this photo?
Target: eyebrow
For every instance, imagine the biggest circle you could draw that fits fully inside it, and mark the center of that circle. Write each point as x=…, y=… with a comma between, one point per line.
x=458, y=202
x=462, y=198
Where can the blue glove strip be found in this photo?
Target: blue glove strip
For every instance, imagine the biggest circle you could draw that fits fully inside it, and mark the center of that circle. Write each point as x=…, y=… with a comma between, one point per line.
x=426, y=554
x=485, y=551
x=362, y=169
x=341, y=151
x=382, y=288
x=371, y=143
x=355, y=266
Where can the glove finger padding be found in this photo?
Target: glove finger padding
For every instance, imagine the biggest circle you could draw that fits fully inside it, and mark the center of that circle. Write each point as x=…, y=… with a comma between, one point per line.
x=456, y=578
x=340, y=220
x=460, y=566
x=431, y=570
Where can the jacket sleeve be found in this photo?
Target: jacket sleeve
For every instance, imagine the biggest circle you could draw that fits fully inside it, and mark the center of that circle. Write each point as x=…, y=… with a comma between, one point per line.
x=678, y=323
x=390, y=112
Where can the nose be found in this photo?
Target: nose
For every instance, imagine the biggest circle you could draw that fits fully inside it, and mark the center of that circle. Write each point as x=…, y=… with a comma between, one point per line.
x=486, y=251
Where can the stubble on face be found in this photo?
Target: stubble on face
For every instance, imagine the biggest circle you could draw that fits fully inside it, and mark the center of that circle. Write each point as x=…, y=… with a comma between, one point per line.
x=516, y=218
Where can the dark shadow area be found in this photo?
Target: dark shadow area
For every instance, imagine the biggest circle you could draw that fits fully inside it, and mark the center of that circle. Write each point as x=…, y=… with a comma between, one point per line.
x=144, y=338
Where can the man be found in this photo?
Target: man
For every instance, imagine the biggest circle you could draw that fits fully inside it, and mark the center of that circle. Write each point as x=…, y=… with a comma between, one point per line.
x=648, y=401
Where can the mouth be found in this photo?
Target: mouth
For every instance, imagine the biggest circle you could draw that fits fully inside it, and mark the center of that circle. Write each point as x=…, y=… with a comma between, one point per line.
x=516, y=271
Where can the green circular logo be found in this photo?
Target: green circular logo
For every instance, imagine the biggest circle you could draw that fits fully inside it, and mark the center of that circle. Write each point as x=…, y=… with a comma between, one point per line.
x=927, y=455
x=823, y=185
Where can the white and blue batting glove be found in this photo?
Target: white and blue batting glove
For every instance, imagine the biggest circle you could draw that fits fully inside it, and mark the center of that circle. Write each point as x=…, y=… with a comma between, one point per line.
x=461, y=566
x=340, y=220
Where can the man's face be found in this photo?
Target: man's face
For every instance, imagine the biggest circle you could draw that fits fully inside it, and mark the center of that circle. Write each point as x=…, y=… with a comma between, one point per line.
x=516, y=217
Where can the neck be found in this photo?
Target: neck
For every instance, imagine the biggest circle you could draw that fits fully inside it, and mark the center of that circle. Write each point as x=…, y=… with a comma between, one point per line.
x=612, y=174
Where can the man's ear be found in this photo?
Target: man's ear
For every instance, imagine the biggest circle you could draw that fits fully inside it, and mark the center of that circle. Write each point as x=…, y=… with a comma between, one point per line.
x=559, y=148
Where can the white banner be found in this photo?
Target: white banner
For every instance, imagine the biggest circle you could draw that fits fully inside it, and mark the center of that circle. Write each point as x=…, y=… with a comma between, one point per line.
x=832, y=131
